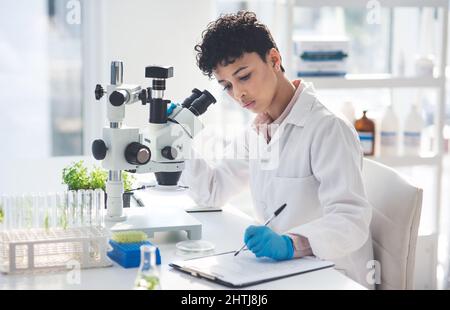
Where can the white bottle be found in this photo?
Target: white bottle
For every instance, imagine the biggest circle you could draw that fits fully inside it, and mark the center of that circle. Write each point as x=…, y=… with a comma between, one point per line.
x=412, y=132
x=389, y=133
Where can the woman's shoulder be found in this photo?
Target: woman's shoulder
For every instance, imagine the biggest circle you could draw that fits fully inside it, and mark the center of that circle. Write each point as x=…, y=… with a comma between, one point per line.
x=322, y=116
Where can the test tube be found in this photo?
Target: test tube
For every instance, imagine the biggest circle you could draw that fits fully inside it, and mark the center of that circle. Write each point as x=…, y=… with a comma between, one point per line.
x=2, y=213
x=12, y=212
x=99, y=207
x=88, y=206
x=27, y=207
x=35, y=210
x=72, y=208
x=8, y=220
x=51, y=219
x=42, y=212
x=61, y=210
x=81, y=195
x=17, y=212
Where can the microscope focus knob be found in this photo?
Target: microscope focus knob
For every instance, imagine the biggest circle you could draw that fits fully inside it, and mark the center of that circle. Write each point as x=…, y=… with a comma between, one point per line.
x=169, y=153
x=99, y=149
x=137, y=154
x=143, y=96
x=117, y=98
x=99, y=92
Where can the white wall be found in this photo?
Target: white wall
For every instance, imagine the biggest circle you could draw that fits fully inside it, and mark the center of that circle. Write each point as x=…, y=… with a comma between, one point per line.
x=24, y=106
x=143, y=32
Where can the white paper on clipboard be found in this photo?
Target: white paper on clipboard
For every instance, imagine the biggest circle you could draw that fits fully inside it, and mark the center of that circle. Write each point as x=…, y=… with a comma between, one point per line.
x=245, y=269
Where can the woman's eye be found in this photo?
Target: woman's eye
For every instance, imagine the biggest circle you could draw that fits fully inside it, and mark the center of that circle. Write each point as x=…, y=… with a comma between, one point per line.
x=245, y=77
x=227, y=87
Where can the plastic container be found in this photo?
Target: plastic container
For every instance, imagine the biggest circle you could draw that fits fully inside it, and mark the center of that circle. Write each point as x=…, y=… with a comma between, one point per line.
x=412, y=132
x=389, y=133
x=425, y=66
x=45, y=231
x=29, y=251
x=128, y=255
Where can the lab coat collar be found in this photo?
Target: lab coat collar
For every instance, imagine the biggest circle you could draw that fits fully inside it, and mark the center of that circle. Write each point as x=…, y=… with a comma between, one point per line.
x=298, y=115
x=300, y=111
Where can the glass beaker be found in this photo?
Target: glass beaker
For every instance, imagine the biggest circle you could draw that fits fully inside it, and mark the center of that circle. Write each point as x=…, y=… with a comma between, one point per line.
x=148, y=274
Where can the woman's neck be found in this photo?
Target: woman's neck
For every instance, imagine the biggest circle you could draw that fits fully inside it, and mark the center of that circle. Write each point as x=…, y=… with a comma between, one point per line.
x=283, y=95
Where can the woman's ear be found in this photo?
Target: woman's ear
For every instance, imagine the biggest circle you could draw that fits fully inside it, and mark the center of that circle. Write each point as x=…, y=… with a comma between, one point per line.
x=275, y=59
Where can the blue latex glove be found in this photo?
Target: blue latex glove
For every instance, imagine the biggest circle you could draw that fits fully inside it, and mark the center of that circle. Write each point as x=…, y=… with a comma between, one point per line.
x=170, y=108
x=263, y=241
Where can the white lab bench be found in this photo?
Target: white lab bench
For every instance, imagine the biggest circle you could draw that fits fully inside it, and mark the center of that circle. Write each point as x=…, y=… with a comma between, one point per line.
x=224, y=229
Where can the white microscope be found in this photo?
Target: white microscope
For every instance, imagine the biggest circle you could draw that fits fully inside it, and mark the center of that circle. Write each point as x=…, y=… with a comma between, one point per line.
x=160, y=148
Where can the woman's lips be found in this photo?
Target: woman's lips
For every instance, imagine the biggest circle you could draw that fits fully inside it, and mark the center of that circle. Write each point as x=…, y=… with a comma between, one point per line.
x=249, y=104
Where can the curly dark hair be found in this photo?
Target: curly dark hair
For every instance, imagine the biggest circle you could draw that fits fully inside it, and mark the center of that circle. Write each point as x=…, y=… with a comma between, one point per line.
x=229, y=37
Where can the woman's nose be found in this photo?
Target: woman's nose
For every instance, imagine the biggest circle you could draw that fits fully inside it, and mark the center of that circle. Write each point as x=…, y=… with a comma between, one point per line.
x=239, y=93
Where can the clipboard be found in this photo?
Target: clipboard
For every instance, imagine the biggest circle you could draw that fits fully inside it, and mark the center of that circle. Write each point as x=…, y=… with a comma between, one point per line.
x=246, y=269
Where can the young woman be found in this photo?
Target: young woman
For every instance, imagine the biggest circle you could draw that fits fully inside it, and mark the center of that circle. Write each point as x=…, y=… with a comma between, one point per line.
x=317, y=170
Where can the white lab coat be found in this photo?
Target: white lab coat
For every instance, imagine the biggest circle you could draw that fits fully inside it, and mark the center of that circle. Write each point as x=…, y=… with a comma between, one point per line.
x=317, y=172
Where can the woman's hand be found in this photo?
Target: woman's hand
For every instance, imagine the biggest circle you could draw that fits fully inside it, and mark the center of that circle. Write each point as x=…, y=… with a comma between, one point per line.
x=263, y=241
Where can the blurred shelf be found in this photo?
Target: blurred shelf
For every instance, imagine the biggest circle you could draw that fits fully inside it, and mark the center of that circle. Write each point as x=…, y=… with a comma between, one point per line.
x=364, y=4
x=399, y=161
x=374, y=81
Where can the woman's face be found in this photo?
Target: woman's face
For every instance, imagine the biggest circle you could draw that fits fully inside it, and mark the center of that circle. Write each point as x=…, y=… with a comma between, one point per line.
x=250, y=81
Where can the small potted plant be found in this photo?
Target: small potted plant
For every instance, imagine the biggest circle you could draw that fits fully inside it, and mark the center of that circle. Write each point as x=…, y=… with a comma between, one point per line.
x=77, y=176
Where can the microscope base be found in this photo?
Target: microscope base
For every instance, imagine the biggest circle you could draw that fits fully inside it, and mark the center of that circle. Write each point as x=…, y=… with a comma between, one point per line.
x=115, y=218
x=158, y=219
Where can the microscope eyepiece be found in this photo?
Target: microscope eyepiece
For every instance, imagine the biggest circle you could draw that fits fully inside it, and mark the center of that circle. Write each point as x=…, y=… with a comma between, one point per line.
x=188, y=101
x=201, y=104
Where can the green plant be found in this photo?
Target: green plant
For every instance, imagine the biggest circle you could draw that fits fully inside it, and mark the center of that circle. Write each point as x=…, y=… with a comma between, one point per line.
x=128, y=180
x=77, y=176
x=98, y=178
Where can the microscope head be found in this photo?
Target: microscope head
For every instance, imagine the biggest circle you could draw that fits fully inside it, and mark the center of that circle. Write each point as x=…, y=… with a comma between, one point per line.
x=164, y=144
x=185, y=117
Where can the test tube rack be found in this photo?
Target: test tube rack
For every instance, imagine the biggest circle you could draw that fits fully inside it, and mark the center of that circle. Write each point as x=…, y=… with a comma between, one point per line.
x=54, y=249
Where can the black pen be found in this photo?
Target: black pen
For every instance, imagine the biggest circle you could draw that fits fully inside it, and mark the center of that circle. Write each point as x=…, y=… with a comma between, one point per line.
x=138, y=201
x=275, y=214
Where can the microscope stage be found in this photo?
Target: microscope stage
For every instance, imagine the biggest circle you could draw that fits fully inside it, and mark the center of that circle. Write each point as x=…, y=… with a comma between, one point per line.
x=158, y=219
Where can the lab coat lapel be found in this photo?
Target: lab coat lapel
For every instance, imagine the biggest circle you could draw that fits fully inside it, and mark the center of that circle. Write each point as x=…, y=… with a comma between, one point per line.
x=299, y=113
